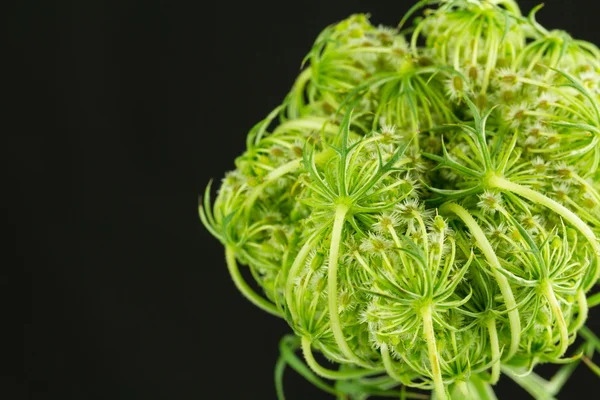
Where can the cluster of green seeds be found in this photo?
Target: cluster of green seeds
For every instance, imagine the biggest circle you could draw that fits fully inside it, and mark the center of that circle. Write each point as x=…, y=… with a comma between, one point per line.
x=424, y=207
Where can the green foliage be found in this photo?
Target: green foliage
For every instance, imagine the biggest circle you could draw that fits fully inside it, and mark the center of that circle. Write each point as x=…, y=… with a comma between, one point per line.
x=426, y=216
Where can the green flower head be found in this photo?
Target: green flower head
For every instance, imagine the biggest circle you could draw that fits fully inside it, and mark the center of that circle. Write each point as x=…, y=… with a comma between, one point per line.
x=425, y=211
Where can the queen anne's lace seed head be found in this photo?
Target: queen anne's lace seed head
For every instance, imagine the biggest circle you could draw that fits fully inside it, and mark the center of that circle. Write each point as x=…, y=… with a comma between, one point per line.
x=425, y=207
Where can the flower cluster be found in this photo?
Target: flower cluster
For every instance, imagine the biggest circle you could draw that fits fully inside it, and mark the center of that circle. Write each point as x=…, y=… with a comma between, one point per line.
x=425, y=216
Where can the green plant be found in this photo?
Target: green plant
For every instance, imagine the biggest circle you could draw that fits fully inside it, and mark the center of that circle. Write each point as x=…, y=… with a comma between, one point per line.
x=426, y=216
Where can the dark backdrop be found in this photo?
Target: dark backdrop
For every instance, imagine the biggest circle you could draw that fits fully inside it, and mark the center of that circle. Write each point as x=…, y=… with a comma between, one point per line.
x=123, y=113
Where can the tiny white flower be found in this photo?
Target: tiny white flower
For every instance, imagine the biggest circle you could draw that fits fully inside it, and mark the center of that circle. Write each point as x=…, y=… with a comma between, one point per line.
x=516, y=114
x=508, y=79
x=474, y=73
x=539, y=165
x=546, y=100
x=490, y=201
x=564, y=171
x=387, y=129
x=456, y=87
x=375, y=243
x=496, y=232
x=561, y=191
x=408, y=209
x=385, y=222
x=531, y=223
x=590, y=79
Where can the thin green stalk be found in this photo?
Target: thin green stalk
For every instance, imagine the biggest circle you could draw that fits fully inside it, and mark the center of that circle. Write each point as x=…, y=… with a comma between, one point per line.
x=560, y=378
x=388, y=363
x=423, y=233
x=492, y=258
x=463, y=389
x=538, y=198
x=595, y=369
x=332, y=288
x=279, y=370
x=294, y=269
x=436, y=372
x=244, y=288
x=583, y=311
x=268, y=179
x=328, y=373
x=532, y=383
x=591, y=338
x=297, y=101
x=558, y=315
x=493, y=332
x=483, y=389
x=287, y=346
x=593, y=300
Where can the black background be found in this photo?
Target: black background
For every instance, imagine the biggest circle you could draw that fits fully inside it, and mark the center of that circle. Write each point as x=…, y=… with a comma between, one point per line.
x=123, y=112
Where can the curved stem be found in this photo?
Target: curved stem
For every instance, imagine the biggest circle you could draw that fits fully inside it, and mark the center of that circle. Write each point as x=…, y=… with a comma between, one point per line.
x=423, y=232
x=289, y=284
x=328, y=373
x=277, y=173
x=244, y=288
x=565, y=213
x=593, y=300
x=297, y=101
x=268, y=179
x=480, y=390
x=493, y=332
x=492, y=59
x=332, y=289
x=582, y=312
x=492, y=259
x=532, y=383
x=287, y=347
x=388, y=364
x=438, y=382
x=463, y=389
x=278, y=376
x=558, y=314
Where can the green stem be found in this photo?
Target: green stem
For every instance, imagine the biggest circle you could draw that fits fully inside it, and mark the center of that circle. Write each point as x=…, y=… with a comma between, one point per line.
x=279, y=370
x=328, y=373
x=297, y=101
x=595, y=369
x=492, y=59
x=560, y=319
x=287, y=347
x=332, y=289
x=268, y=179
x=582, y=312
x=436, y=372
x=558, y=381
x=565, y=213
x=483, y=390
x=392, y=232
x=277, y=173
x=388, y=364
x=493, y=332
x=289, y=284
x=463, y=389
x=244, y=288
x=492, y=259
x=532, y=383
x=590, y=337
x=423, y=232
x=593, y=300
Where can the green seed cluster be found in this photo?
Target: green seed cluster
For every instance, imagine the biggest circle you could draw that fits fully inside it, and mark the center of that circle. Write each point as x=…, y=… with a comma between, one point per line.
x=425, y=203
